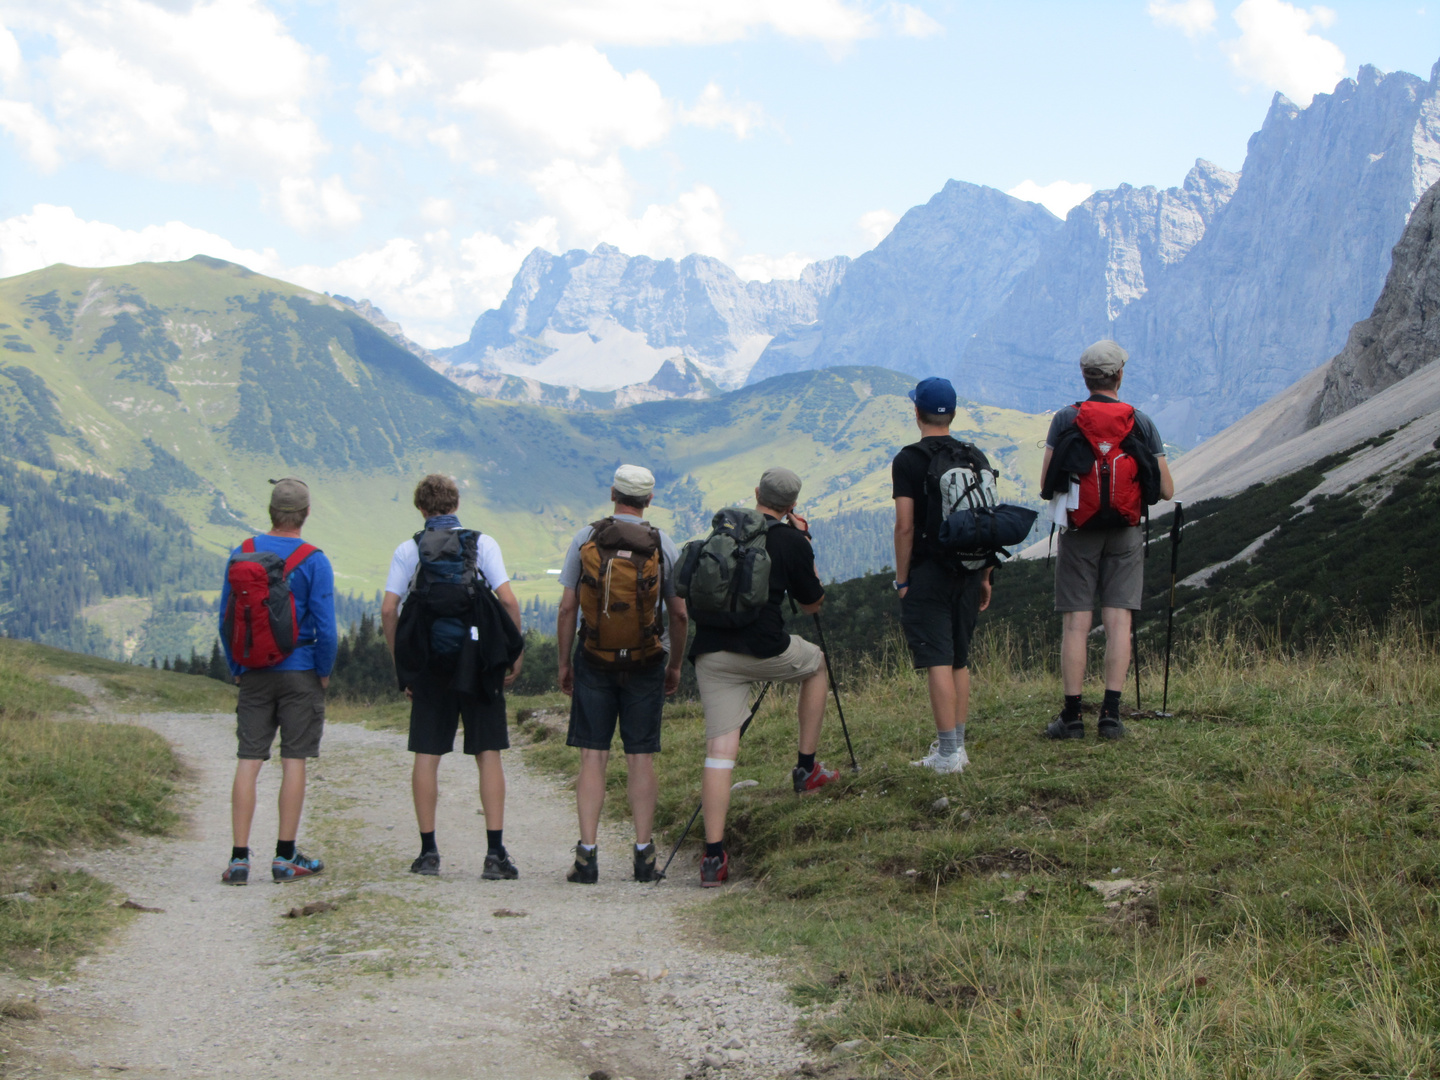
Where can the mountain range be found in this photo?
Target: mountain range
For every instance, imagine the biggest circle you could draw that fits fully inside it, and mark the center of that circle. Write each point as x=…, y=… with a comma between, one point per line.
x=1225, y=289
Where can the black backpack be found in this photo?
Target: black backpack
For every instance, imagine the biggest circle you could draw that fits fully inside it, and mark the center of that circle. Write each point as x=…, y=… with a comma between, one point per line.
x=955, y=479
x=445, y=590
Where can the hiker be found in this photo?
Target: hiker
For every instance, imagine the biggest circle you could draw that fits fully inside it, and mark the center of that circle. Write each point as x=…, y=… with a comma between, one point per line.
x=457, y=647
x=941, y=594
x=277, y=626
x=619, y=577
x=729, y=657
x=1098, y=503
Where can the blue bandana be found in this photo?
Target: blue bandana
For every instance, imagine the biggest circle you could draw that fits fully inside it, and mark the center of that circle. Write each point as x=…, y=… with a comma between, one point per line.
x=442, y=521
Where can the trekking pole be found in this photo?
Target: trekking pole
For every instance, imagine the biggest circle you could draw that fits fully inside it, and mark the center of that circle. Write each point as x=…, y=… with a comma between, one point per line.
x=691, y=823
x=829, y=674
x=1176, y=524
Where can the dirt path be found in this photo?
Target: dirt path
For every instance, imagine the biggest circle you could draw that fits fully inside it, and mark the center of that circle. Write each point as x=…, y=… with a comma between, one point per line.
x=407, y=976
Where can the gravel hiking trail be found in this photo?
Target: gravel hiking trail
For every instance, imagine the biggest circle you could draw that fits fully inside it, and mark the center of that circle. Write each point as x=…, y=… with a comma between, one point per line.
x=406, y=976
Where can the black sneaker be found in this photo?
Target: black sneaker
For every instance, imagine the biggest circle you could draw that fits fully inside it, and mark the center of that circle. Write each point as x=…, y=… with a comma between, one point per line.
x=499, y=866
x=645, y=863
x=714, y=870
x=1060, y=728
x=1110, y=727
x=428, y=864
x=586, y=870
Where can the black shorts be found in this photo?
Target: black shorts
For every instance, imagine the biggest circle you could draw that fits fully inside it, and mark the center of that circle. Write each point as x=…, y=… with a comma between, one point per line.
x=938, y=614
x=291, y=702
x=435, y=714
x=600, y=698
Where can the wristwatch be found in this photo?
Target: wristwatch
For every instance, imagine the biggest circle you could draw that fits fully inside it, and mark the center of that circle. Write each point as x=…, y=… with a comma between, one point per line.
x=898, y=585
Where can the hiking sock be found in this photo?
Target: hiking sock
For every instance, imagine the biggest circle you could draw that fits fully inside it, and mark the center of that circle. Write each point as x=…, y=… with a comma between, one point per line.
x=714, y=850
x=949, y=742
x=960, y=736
x=641, y=847
x=239, y=853
x=589, y=849
x=806, y=762
x=427, y=842
x=285, y=849
x=1111, y=705
x=492, y=840
x=1071, y=712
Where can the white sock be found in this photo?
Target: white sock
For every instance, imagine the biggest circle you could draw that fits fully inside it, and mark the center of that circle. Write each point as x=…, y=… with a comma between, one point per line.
x=587, y=848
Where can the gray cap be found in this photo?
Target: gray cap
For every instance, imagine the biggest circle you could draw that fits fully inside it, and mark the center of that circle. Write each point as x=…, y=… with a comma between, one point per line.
x=289, y=494
x=779, y=488
x=1103, y=358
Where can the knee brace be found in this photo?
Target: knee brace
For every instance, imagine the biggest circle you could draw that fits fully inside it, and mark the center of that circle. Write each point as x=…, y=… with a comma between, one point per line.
x=719, y=763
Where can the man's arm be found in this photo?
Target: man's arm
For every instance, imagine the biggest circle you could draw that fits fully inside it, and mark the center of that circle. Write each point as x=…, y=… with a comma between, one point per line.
x=904, y=538
x=1167, y=485
x=1045, y=466
x=679, y=634
x=389, y=619
x=565, y=638
x=508, y=601
x=322, y=612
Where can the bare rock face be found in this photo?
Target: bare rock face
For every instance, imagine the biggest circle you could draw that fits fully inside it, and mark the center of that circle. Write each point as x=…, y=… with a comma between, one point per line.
x=1402, y=334
x=914, y=302
x=1113, y=249
x=637, y=312
x=1294, y=259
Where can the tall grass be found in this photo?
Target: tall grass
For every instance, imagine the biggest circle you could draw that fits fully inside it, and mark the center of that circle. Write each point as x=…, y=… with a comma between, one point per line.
x=1281, y=827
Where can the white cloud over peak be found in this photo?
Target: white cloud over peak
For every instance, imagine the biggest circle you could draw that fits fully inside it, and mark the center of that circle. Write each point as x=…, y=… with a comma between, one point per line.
x=712, y=110
x=50, y=234
x=1057, y=197
x=1194, y=17
x=875, y=225
x=785, y=267
x=1277, y=49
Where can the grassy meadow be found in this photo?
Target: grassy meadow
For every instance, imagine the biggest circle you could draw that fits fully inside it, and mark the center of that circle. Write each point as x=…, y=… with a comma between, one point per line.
x=1267, y=858
x=68, y=782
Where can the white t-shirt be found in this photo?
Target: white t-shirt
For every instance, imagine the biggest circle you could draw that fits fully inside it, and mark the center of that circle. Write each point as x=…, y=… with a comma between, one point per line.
x=407, y=557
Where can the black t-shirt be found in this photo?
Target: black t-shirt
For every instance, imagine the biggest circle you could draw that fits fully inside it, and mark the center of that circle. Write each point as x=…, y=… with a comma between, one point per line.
x=907, y=480
x=792, y=570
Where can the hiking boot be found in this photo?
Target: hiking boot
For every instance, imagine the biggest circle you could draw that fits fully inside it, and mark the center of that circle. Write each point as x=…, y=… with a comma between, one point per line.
x=1060, y=728
x=645, y=863
x=943, y=764
x=1110, y=727
x=586, y=870
x=714, y=870
x=814, y=779
x=428, y=864
x=499, y=867
x=294, y=868
x=237, y=873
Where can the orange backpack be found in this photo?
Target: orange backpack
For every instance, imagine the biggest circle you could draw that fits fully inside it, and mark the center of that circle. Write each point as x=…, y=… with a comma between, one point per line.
x=621, y=575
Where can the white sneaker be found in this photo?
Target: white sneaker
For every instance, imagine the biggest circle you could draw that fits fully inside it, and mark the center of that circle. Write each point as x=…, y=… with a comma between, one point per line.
x=943, y=763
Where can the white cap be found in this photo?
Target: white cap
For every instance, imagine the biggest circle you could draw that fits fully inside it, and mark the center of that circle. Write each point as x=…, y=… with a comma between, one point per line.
x=634, y=480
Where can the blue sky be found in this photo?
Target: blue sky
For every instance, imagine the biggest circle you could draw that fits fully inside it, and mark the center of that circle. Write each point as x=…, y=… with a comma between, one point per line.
x=414, y=153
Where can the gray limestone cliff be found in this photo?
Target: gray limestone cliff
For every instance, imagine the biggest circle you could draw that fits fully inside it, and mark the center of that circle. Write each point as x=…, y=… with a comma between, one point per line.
x=1114, y=248
x=913, y=302
x=1402, y=334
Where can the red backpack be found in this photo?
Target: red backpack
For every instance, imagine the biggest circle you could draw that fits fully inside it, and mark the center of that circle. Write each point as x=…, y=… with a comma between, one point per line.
x=1110, y=492
x=260, y=623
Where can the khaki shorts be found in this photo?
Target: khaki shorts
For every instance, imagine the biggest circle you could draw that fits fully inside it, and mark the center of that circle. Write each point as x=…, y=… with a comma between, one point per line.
x=725, y=679
x=291, y=702
x=1100, y=568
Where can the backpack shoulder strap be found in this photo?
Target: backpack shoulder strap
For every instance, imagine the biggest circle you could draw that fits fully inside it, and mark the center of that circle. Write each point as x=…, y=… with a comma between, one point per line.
x=248, y=546
x=298, y=556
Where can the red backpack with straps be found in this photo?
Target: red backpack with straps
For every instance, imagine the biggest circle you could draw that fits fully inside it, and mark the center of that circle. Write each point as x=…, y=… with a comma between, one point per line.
x=1110, y=492
x=260, y=624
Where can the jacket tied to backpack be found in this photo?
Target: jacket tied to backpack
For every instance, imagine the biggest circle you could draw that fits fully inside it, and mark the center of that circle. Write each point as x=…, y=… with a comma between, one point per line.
x=963, y=522
x=453, y=629
x=622, y=569
x=1114, y=473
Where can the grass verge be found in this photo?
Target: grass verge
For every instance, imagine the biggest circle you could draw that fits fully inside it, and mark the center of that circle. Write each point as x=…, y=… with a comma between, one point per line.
x=130, y=689
x=1268, y=857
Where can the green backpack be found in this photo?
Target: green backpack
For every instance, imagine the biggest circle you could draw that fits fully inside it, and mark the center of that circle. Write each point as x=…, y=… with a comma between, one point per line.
x=724, y=579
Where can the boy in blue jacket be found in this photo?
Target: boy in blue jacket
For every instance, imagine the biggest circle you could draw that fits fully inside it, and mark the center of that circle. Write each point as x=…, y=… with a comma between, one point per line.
x=287, y=696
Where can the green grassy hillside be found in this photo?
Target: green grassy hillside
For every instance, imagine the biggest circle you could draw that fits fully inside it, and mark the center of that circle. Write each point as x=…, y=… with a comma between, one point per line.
x=191, y=384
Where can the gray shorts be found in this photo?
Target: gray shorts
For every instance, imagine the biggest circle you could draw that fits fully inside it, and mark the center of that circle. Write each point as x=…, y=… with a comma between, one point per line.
x=1100, y=568
x=724, y=679
x=938, y=614
x=292, y=702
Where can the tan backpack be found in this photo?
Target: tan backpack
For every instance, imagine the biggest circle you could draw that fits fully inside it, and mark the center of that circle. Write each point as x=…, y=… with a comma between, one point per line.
x=621, y=576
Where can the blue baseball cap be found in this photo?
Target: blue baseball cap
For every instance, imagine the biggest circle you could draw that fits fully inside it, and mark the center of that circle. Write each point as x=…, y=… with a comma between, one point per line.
x=934, y=395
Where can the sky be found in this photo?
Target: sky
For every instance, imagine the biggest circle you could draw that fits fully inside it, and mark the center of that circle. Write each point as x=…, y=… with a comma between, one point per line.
x=413, y=153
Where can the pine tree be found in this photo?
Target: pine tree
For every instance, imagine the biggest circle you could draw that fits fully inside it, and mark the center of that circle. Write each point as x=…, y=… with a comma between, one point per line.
x=167, y=664
x=217, y=668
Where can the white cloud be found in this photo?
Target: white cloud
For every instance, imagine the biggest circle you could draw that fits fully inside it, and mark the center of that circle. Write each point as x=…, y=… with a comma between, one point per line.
x=50, y=234
x=910, y=21
x=36, y=136
x=1057, y=197
x=568, y=98
x=10, y=62
x=307, y=204
x=1277, y=49
x=876, y=225
x=785, y=267
x=1194, y=17
x=713, y=111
